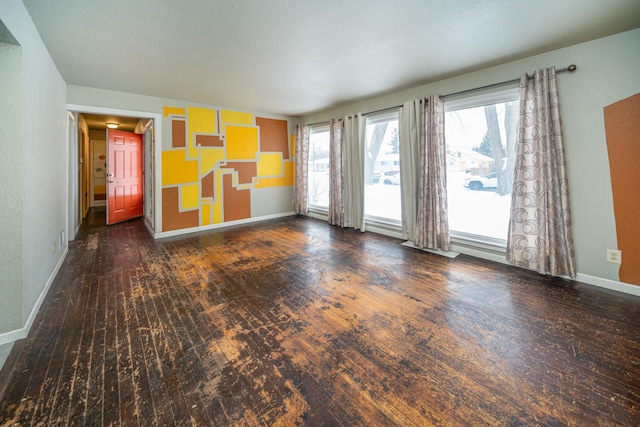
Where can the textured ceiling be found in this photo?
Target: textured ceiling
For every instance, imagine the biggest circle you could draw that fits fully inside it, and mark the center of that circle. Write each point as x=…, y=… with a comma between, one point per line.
x=294, y=57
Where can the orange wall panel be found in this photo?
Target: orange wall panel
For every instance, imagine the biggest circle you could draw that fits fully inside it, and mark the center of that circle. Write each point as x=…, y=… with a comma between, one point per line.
x=622, y=126
x=237, y=203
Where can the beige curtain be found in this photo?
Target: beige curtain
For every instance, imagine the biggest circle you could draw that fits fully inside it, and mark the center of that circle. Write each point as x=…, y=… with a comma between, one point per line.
x=302, y=168
x=540, y=227
x=353, y=149
x=409, y=125
x=336, y=173
x=432, y=225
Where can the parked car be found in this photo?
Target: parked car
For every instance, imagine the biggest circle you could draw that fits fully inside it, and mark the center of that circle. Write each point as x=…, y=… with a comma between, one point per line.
x=481, y=182
x=375, y=177
x=391, y=177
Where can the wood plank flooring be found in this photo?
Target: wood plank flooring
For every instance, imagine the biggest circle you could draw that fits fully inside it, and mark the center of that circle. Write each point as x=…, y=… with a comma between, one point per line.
x=294, y=322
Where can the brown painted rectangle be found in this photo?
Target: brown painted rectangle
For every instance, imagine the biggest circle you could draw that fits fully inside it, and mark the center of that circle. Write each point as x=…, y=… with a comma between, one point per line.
x=178, y=133
x=172, y=218
x=274, y=135
x=209, y=141
x=237, y=203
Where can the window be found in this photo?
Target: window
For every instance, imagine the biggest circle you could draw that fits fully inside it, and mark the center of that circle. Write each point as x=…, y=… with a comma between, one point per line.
x=319, y=168
x=480, y=135
x=382, y=169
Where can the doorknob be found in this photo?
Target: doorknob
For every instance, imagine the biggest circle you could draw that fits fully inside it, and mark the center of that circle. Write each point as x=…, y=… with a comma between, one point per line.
x=111, y=181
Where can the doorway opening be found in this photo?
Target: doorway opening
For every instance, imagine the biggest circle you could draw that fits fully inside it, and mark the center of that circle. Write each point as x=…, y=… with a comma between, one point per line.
x=96, y=187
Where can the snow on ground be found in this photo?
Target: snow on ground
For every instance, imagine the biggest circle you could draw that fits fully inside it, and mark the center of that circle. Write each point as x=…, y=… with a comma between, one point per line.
x=476, y=212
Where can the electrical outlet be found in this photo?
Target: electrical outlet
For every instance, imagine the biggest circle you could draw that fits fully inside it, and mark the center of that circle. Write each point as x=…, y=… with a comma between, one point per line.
x=614, y=256
x=53, y=248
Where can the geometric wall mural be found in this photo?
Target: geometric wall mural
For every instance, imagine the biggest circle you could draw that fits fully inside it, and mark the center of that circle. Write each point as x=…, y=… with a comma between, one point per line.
x=216, y=160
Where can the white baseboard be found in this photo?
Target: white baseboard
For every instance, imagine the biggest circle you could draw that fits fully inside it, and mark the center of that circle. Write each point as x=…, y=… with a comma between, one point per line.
x=18, y=334
x=448, y=254
x=609, y=284
x=479, y=253
x=148, y=226
x=580, y=277
x=164, y=234
x=12, y=336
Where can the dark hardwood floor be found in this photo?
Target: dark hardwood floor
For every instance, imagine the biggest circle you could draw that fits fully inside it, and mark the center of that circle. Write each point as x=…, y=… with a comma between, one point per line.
x=294, y=322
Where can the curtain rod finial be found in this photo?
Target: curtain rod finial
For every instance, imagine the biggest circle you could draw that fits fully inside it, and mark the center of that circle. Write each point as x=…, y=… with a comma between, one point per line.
x=572, y=68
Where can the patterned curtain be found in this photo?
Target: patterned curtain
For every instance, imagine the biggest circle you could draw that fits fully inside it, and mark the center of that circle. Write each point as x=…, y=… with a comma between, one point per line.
x=432, y=225
x=336, y=173
x=540, y=227
x=302, y=168
x=409, y=141
x=353, y=141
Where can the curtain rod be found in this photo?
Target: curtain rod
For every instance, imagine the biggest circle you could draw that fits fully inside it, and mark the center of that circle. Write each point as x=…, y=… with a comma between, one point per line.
x=571, y=68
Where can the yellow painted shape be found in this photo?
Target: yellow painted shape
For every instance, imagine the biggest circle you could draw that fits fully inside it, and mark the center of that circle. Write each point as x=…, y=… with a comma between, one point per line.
x=167, y=111
x=235, y=118
x=190, y=197
x=177, y=170
x=241, y=143
x=209, y=157
x=199, y=120
x=217, y=203
x=205, y=210
x=270, y=165
x=286, y=180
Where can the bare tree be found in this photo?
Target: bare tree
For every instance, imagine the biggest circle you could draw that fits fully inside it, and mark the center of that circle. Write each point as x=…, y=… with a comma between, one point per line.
x=373, y=150
x=497, y=150
x=510, y=125
x=503, y=154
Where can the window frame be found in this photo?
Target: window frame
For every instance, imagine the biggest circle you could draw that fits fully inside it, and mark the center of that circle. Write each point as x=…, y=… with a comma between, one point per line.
x=389, y=224
x=463, y=102
x=313, y=208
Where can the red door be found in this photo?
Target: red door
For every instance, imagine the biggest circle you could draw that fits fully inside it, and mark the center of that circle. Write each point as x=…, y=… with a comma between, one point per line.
x=124, y=180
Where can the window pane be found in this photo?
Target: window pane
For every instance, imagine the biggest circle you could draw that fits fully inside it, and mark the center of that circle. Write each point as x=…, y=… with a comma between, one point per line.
x=382, y=170
x=480, y=155
x=319, y=169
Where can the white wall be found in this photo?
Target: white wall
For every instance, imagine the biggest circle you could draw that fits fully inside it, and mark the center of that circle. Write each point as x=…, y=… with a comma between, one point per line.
x=11, y=193
x=608, y=70
x=44, y=181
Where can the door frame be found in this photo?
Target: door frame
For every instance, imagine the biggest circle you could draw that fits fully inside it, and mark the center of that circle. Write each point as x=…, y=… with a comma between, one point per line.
x=157, y=157
x=128, y=165
x=92, y=167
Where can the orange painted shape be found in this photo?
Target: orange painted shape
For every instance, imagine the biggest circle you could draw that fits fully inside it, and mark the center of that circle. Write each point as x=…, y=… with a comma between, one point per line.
x=178, y=133
x=274, y=136
x=246, y=171
x=209, y=141
x=237, y=203
x=207, y=185
x=172, y=218
x=124, y=181
x=622, y=126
